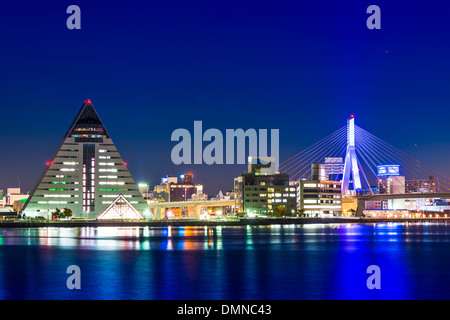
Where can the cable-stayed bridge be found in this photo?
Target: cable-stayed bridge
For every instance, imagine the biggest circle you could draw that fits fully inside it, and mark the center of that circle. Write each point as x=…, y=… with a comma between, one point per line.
x=360, y=157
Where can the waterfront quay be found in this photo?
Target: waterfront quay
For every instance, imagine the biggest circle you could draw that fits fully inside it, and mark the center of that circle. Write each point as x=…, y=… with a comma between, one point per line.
x=208, y=223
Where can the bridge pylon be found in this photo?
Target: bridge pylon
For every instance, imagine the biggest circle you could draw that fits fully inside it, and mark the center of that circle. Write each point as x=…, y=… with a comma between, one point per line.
x=351, y=164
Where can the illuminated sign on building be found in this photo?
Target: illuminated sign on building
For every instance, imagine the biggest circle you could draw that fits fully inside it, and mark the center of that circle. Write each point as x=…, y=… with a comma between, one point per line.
x=388, y=170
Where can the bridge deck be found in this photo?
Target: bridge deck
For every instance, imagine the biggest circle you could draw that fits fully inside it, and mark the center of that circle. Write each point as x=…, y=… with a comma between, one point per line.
x=439, y=195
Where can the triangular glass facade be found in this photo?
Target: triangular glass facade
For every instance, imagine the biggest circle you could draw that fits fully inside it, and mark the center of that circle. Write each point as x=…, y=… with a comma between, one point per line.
x=121, y=208
x=86, y=174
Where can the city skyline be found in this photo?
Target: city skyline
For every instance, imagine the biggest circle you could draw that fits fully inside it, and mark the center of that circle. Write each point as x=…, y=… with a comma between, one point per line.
x=302, y=69
x=222, y=185
x=224, y=158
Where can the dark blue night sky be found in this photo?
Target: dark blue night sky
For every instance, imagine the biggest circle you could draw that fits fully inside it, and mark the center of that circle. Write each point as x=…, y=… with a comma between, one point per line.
x=151, y=67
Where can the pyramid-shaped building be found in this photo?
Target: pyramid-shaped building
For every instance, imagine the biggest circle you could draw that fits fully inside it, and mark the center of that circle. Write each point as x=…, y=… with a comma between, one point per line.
x=86, y=173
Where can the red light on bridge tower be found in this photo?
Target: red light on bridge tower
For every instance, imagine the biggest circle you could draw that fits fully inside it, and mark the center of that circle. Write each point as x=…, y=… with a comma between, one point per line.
x=352, y=116
x=88, y=101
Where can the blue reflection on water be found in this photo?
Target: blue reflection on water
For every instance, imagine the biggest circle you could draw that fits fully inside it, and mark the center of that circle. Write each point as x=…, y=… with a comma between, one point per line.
x=361, y=246
x=317, y=261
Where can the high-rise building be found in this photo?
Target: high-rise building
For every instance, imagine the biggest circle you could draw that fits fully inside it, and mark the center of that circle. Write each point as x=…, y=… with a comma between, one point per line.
x=421, y=185
x=319, y=197
x=173, y=189
x=261, y=190
x=181, y=191
x=86, y=174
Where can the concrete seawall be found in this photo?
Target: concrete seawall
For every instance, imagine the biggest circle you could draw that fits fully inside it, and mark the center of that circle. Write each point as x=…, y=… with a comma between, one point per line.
x=211, y=223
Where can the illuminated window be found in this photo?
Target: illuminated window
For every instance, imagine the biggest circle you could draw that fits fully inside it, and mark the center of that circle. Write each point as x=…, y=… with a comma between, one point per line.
x=120, y=183
x=310, y=185
x=57, y=196
x=115, y=196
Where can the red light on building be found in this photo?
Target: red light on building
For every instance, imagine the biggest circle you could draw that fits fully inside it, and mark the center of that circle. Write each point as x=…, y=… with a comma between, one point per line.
x=49, y=163
x=124, y=163
x=87, y=101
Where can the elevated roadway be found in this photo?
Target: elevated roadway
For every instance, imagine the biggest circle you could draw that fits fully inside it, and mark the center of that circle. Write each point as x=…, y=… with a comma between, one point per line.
x=156, y=207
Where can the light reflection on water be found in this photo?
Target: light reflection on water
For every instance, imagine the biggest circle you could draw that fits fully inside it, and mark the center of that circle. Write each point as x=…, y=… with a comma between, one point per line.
x=320, y=261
